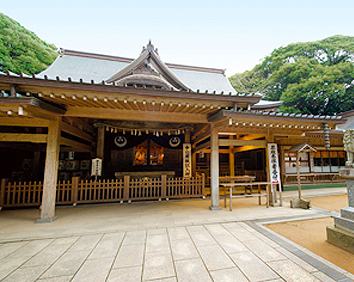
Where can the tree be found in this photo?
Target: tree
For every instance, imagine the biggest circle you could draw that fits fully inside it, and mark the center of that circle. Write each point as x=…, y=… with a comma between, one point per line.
x=312, y=77
x=21, y=50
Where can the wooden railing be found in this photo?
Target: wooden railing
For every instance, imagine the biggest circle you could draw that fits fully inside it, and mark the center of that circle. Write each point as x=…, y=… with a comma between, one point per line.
x=76, y=191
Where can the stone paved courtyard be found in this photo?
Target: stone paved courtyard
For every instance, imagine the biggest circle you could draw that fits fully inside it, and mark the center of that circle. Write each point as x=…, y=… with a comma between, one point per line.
x=173, y=241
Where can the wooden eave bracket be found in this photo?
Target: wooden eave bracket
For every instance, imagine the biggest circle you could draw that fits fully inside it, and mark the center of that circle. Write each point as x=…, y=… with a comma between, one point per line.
x=31, y=107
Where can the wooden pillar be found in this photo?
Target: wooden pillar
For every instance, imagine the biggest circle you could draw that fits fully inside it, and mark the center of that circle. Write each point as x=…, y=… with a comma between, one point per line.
x=298, y=174
x=100, y=142
x=194, y=164
x=214, y=168
x=231, y=159
x=2, y=192
x=51, y=171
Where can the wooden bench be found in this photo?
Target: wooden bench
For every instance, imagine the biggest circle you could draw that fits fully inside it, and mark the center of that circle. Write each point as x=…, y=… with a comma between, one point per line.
x=231, y=186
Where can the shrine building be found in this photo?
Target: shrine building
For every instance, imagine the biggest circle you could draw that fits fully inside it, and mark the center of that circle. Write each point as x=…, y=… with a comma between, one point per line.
x=95, y=128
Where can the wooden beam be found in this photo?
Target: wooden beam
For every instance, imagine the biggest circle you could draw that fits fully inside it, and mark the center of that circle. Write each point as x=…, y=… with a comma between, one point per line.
x=229, y=142
x=22, y=137
x=76, y=132
x=116, y=114
x=80, y=147
x=246, y=148
x=202, y=147
x=23, y=121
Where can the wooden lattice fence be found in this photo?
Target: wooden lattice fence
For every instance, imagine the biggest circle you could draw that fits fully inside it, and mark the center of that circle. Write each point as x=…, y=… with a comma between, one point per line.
x=76, y=191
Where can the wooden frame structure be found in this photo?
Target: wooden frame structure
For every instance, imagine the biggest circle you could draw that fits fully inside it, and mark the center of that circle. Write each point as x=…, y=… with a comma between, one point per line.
x=62, y=112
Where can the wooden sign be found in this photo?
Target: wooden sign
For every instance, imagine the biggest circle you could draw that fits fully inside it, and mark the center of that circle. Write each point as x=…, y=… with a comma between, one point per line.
x=273, y=163
x=96, y=169
x=187, y=160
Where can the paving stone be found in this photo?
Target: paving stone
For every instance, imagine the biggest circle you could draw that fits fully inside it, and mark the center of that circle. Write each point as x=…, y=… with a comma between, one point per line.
x=56, y=279
x=131, y=274
x=86, y=242
x=67, y=265
x=322, y=277
x=156, y=231
x=130, y=255
x=263, y=251
x=157, y=243
x=178, y=233
x=191, y=270
x=47, y=256
x=230, y=244
x=158, y=265
x=201, y=236
x=183, y=249
x=6, y=249
x=228, y=275
x=8, y=265
x=216, y=229
x=94, y=270
x=169, y=279
x=30, y=249
x=215, y=258
x=108, y=246
x=134, y=238
x=290, y=271
x=239, y=232
x=25, y=274
x=253, y=267
x=308, y=267
x=196, y=229
x=65, y=241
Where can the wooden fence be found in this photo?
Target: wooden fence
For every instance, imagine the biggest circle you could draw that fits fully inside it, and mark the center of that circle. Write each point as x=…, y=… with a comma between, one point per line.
x=76, y=191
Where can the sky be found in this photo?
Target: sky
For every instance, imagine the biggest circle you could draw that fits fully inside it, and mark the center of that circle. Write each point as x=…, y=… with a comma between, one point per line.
x=225, y=34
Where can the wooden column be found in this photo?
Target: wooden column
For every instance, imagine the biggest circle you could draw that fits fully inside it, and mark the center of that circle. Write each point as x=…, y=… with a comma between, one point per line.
x=214, y=168
x=298, y=174
x=231, y=158
x=100, y=142
x=51, y=171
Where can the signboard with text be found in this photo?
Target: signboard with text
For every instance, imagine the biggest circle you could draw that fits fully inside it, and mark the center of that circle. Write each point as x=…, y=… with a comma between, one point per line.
x=274, y=169
x=96, y=169
x=187, y=160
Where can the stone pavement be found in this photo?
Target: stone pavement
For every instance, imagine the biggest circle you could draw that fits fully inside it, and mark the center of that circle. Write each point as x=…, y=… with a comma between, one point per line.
x=173, y=241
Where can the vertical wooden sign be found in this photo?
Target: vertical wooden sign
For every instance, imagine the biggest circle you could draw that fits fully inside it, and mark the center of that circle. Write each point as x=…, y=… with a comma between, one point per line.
x=187, y=160
x=273, y=163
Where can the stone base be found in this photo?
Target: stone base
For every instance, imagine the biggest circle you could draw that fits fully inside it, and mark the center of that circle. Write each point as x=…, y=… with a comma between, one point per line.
x=341, y=238
x=216, y=208
x=46, y=220
x=300, y=203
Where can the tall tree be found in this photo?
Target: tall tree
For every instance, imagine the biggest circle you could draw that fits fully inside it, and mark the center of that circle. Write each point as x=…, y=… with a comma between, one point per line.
x=21, y=50
x=311, y=77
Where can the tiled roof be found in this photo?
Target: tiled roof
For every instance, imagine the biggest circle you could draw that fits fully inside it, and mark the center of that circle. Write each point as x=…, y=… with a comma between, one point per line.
x=88, y=67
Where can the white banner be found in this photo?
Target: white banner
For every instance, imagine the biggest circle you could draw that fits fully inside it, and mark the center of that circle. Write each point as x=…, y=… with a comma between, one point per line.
x=187, y=160
x=96, y=169
x=274, y=169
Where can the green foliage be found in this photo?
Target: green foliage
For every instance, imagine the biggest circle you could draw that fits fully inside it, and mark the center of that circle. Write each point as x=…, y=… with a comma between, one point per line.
x=311, y=77
x=21, y=50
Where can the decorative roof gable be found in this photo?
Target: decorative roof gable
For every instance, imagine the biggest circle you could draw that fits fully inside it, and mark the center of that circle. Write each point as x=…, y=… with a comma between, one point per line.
x=148, y=70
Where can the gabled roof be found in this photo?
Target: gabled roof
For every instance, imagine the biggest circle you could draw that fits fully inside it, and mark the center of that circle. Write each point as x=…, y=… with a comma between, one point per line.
x=88, y=67
x=303, y=147
x=148, y=65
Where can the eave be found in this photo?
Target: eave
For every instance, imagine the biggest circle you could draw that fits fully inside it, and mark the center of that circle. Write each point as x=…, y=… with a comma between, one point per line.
x=274, y=121
x=36, y=85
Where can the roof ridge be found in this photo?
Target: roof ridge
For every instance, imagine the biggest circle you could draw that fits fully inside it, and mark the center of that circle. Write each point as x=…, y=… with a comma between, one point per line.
x=129, y=60
x=94, y=55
